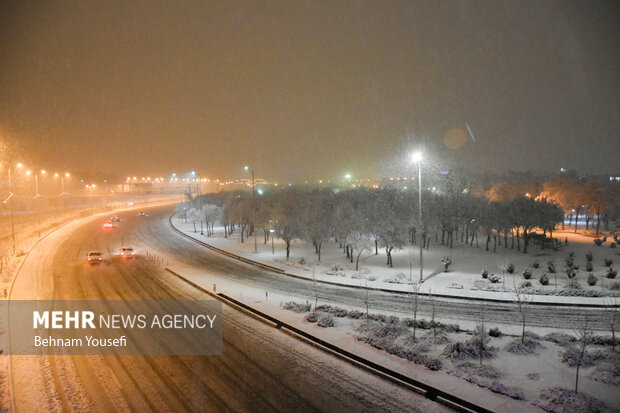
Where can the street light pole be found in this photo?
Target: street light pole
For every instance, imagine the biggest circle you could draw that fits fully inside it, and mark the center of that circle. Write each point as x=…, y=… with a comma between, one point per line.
x=273, y=251
x=417, y=157
x=253, y=209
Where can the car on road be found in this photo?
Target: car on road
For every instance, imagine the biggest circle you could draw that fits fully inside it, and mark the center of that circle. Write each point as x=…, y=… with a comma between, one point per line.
x=127, y=252
x=115, y=218
x=94, y=257
x=142, y=214
x=108, y=224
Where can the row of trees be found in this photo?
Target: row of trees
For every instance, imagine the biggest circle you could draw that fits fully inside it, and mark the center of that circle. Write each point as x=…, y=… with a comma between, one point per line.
x=365, y=219
x=591, y=198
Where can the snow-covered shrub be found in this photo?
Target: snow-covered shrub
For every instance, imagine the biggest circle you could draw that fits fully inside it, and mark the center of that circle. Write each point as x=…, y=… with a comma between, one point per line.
x=302, y=261
x=326, y=320
x=372, y=278
x=589, y=266
x=598, y=242
x=433, y=364
x=558, y=399
x=335, y=269
x=340, y=312
x=510, y=268
x=527, y=274
x=561, y=339
x=614, y=286
x=364, y=271
x=607, y=374
x=612, y=245
x=611, y=273
x=525, y=284
x=602, y=341
x=589, y=256
x=355, y=314
x=398, y=278
x=536, y=264
x=551, y=266
x=592, y=279
x=493, y=278
x=470, y=349
x=608, y=262
x=494, y=332
x=312, y=317
x=485, y=272
x=572, y=355
x=544, y=279
x=297, y=307
x=528, y=346
x=357, y=276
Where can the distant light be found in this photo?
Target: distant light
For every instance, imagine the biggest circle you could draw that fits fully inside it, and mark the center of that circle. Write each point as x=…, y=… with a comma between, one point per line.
x=43, y=171
x=105, y=181
x=347, y=176
x=174, y=175
x=562, y=170
x=416, y=157
x=260, y=191
x=19, y=164
x=67, y=174
x=56, y=175
x=444, y=172
x=93, y=185
x=28, y=172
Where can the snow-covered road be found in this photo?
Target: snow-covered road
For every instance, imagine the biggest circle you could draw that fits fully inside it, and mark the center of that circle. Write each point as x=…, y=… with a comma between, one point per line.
x=260, y=369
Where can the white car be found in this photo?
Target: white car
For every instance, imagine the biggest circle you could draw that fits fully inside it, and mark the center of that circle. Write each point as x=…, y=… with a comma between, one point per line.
x=94, y=257
x=127, y=252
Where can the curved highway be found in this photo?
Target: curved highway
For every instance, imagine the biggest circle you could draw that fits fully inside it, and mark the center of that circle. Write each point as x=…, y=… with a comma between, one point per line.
x=260, y=369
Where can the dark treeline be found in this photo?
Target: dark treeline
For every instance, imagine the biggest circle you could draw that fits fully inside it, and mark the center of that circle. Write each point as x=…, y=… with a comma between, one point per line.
x=508, y=214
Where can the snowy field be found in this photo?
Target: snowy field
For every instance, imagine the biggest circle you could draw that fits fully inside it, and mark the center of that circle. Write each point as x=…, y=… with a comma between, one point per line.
x=464, y=274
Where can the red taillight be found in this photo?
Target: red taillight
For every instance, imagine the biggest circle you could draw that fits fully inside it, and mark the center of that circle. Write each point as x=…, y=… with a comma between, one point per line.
x=88, y=258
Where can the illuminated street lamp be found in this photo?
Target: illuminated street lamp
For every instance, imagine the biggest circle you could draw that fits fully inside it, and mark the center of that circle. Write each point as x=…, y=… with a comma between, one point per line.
x=417, y=157
x=273, y=251
x=247, y=168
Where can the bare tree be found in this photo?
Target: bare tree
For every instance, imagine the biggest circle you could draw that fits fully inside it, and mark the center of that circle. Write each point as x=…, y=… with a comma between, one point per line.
x=522, y=302
x=315, y=287
x=432, y=303
x=584, y=335
x=360, y=243
x=481, y=332
x=613, y=318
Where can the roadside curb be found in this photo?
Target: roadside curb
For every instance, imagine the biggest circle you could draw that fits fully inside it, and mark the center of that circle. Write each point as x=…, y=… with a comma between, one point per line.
x=359, y=287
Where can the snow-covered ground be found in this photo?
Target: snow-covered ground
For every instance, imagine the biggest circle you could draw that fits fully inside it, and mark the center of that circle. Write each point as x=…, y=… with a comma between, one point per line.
x=463, y=278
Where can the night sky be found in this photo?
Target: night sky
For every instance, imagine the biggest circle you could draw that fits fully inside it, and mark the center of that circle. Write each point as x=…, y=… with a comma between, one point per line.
x=311, y=89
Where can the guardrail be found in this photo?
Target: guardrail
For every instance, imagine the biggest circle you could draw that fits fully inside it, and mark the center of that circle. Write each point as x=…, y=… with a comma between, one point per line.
x=430, y=392
x=385, y=290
